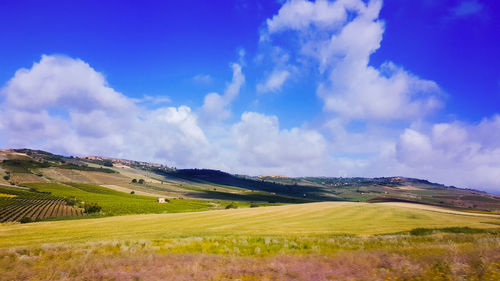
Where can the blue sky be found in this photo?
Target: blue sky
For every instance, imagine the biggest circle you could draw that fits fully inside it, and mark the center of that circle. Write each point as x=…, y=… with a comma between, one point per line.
x=332, y=88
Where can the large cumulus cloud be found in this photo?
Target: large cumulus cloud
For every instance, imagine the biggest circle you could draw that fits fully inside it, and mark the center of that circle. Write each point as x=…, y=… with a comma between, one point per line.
x=64, y=105
x=340, y=36
x=457, y=153
x=261, y=144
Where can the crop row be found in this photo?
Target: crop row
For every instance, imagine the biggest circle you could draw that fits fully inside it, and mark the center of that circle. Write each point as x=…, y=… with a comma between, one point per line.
x=37, y=209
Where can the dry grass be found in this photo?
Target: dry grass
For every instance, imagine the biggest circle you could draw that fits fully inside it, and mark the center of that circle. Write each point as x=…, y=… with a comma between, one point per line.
x=439, y=257
x=70, y=175
x=327, y=218
x=440, y=209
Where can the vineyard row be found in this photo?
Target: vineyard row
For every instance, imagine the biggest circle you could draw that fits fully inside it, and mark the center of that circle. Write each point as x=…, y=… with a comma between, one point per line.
x=38, y=209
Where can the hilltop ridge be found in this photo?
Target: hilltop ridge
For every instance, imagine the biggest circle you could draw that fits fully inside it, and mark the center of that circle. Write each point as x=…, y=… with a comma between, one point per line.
x=19, y=167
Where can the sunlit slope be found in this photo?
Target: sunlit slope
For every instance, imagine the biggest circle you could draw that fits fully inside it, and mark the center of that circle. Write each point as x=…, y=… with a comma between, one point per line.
x=328, y=218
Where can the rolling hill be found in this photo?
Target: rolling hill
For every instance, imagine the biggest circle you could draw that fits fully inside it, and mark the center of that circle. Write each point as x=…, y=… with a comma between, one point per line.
x=118, y=186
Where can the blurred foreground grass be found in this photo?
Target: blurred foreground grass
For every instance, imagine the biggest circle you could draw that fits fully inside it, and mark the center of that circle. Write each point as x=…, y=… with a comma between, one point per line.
x=316, y=241
x=439, y=256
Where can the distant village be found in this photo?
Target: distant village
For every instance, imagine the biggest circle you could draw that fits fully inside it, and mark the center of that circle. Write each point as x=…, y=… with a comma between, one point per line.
x=120, y=161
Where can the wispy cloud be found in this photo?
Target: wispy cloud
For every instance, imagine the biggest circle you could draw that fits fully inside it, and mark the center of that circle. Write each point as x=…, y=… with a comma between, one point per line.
x=467, y=8
x=153, y=100
x=215, y=105
x=274, y=82
x=204, y=79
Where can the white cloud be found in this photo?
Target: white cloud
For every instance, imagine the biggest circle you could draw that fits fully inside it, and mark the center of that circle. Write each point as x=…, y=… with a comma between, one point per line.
x=301, y=14
x=262, y=147
x=47, y=107
x=215, y=105
x=63, y=105
x=153, y=100
x=238, y=80
x=58, y=81
x=203, y=79
x=274, y=82
x=458, y=154
x=279, y=60
x=342, y=45
x=364, y=93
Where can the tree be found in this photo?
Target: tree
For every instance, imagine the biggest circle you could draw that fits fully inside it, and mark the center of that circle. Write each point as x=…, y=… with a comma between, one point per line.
x=134, y=181
x=132, y=192
x=91, y=208
x=141, y=181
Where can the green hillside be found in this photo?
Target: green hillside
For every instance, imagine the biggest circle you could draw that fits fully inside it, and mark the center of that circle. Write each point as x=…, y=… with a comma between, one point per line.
x=118, y=203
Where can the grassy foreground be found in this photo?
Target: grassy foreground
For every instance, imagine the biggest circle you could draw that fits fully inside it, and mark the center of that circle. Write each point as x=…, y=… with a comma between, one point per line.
x=434, y=257
x=316, y=241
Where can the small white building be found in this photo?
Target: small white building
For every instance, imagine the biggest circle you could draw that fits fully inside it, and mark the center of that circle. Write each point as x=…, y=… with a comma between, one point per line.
x=160, y=200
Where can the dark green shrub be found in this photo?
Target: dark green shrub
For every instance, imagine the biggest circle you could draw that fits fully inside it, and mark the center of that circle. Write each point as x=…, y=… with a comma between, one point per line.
x=132, y=192
x=134, y=181
x=231, y=206
x=427, y=231
x=421, y=231
x=6, y=177
x=91, y=208
x=70, y=201
x=25, y=220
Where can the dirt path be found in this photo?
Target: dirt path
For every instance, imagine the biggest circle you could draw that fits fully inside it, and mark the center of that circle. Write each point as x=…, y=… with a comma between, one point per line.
x=436, y=209
x=15, y=186
x=128, y=190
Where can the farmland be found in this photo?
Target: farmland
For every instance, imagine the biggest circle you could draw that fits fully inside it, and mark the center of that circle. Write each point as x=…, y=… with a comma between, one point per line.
x=38, y=209
x=304, y=219
x=27, y=205
x=24, y=167
x=82, y=221
x=308, y=241
x=54, y=196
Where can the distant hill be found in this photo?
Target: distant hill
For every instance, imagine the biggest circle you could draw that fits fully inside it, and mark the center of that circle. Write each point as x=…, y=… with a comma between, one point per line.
x=35, y=168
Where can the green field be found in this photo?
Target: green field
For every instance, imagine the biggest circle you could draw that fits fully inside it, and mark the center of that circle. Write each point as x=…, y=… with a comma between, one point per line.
x=119, y=203
x=324, y=219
